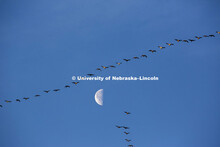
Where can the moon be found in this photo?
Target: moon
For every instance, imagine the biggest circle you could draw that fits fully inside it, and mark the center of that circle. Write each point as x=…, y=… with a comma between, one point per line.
x=99, y=97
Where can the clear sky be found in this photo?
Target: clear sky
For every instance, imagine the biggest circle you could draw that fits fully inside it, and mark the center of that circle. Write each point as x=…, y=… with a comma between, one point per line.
x=44, y=43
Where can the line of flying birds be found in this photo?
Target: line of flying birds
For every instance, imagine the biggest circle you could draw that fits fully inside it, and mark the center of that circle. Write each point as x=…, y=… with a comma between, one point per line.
x=117, y=63
x=126, y=131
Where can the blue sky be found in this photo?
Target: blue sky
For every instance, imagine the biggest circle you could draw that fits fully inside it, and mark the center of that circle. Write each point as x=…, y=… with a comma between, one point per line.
x=44, y=43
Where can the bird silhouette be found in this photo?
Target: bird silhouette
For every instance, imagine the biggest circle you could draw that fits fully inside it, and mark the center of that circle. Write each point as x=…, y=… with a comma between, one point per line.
x=161, y=47
x=211, y=35
x=118, y=126
x=105, y=67
x=205, y=36
x=135, y=57
x=169, y=44
x=126, y=60
x=56, y=90
x=90, y=74
x=218, y=32
x=119, y=63
x=191, y=40
x=128, y=140
x=7, y=101
x=46, y=91
x=67, y=86
x=112, y=66
x=75, y=83
x=178, y=40
x=153, y=51
x=25, y=98
x=126, y=133
x=37, y=95
x=130, y=145
x=18, y=100
x=198, y=37
x=186, y=41
x=126, y=128
x=1, y=106
x=98, y=69
x=127, y=112
x=144, y=56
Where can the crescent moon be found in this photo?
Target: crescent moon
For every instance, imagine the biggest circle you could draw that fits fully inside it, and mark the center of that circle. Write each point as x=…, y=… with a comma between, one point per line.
x=99, y=97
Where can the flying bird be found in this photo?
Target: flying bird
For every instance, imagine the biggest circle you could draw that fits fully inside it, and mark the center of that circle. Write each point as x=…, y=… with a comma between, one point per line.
x=130, y=145
x=126, y=127
x=118, y=126
x=205, y=36
x=127, y=60
x=211, y=35
x=18, y=100
x=46, y=91
x=136, y=57
x=104, y=67
x=144, y=56
x=127, y=112
x=153, y=51
x=186, y=41
x=98, y=69
x=191, y=40
x=37, y=95
x=198, y=37
x=126, y=133
x=218, y=32
x=112, y=66
x=75, y=83
x=178, y=40
x=128, y=140
x=25, y=98
x=161, y=47
x=119, y=63
x=67, y=86
x=90, y=74
x=56, y=90
x=169, y=44
x=1, y=106
x=8, y=101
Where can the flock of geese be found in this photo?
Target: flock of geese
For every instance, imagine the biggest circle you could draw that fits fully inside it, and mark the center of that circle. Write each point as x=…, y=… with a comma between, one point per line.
x=126, y=131
x=18, y=100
